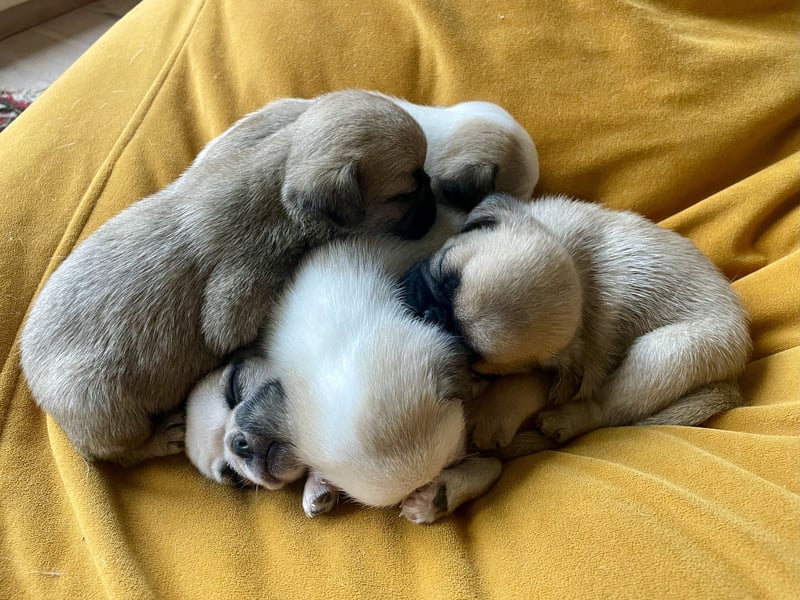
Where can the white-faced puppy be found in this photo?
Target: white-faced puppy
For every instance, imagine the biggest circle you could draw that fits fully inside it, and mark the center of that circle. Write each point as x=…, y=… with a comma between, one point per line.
x=365, y=394
x=158, y=295
x=475, y=148
x=637, y=325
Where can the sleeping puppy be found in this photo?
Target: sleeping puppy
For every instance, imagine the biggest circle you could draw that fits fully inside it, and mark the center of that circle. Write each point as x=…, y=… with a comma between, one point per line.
x=474, y=149
x=635, y=323
x=161, y=293
x=351, y=385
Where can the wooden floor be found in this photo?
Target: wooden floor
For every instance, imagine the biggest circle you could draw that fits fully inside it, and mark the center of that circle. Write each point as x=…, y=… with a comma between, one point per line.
x=36, y=57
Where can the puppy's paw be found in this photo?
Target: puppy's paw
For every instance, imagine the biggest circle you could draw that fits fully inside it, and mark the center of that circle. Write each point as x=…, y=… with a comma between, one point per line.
x=426, y=504
x=169, y=434
x=319, y=496
x=323, y=503
x=495, y=431
x=567, y=421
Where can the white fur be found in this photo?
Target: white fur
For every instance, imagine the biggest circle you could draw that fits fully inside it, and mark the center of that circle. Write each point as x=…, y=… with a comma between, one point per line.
x=441, y=126
x=206, y=415
x=366, y=404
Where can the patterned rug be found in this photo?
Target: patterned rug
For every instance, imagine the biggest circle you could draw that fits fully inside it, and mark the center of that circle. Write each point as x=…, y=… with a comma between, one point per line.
x=13, y=102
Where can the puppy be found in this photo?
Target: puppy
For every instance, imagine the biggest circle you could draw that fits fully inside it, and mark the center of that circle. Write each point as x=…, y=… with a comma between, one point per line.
x=366, y=395
x=474, y=149
x=158, y=295
x=636, y=325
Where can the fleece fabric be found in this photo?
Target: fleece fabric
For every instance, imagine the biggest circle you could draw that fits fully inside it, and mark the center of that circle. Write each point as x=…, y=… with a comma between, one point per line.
x=686, y=112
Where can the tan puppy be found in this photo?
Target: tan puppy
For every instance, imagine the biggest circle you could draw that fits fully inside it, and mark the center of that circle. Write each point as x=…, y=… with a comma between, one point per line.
x=475, y=148
x=637, y=326
x=158, y=295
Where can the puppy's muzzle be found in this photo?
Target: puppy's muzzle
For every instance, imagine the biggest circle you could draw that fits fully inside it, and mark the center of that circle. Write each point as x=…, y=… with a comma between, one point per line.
x=429, y=298
x=422, y=214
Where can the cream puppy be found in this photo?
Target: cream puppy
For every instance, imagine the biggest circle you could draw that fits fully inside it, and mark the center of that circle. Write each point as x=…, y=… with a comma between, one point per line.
x=475, y=148
x=366, y=395
x=161, y=293
x=636, y=325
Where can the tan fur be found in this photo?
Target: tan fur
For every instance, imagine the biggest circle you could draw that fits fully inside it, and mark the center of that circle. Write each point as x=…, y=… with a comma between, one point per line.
x=497, y=147
x=495, y=416
x=635, y=323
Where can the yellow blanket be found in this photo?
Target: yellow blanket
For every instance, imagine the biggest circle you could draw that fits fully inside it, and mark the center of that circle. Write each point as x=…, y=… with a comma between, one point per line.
x=684, y=111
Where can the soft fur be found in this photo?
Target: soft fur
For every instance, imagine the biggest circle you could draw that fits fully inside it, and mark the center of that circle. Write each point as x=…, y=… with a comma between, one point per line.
x=371, y=398
x=637, y=326
x=158, y=295
x=475, y=148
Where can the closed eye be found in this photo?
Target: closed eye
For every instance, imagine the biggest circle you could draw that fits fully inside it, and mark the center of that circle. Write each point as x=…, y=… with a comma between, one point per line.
x=232, y=389
x=404, y=198
x=422, y=180
x=479, y=223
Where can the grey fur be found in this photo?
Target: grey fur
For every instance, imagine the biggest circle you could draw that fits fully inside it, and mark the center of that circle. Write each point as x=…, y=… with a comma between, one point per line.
x=157, y=296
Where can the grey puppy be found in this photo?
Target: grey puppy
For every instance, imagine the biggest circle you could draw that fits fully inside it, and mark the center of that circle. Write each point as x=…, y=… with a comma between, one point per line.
x=635, y=323
x=161, y=293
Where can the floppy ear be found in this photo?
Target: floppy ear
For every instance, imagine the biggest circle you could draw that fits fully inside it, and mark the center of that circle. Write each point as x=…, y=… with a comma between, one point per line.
x=333, y=194
x=488, y=212
x=468, y=187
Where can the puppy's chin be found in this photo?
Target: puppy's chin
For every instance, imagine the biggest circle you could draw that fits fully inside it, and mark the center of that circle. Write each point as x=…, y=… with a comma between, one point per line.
x=206, y=416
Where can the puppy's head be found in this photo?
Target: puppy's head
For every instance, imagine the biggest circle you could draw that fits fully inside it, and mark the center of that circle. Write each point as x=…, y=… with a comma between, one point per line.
x=357, y=161
x=397, y=419
x=474, y=149
x=235, y=427
x=505, y=285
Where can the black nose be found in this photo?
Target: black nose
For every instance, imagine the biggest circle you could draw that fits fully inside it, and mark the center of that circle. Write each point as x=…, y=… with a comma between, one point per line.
x=241, y=447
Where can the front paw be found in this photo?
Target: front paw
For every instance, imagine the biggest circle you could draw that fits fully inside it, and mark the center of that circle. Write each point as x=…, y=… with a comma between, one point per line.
x=169, y=434
x=567, y=421
x=426, y=504
x=321, y=504
x=493, y=432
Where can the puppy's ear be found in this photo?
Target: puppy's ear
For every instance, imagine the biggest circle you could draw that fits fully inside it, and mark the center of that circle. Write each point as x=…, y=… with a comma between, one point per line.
x=468, y=187
x=333, y=194
x=489, y=212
